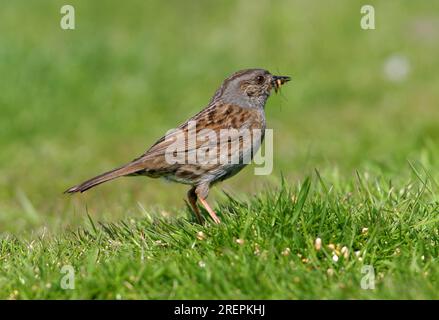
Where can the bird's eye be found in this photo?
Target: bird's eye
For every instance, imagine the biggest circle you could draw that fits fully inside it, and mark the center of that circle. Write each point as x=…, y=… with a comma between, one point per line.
x=260, y=79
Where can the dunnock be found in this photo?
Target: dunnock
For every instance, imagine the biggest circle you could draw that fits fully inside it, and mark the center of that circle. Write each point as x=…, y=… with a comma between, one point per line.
x=238, y=104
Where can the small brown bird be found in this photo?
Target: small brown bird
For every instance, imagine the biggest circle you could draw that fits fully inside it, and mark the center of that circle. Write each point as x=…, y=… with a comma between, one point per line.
x=238, y=104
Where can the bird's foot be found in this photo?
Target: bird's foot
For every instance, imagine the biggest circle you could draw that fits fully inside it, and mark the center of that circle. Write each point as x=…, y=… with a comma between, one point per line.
x=210, y=211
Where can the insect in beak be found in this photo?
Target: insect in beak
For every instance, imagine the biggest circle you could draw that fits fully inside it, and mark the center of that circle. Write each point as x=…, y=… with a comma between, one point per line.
x=278, y=81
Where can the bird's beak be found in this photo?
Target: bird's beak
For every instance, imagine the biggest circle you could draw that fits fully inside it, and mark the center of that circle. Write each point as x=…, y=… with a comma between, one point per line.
x=278, y=81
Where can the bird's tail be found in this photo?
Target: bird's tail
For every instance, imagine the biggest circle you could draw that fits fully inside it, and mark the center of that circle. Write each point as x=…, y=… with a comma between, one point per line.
x=128, y=169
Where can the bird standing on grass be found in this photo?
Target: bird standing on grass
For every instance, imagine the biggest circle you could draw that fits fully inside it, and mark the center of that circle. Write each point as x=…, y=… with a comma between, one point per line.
x=238, y=104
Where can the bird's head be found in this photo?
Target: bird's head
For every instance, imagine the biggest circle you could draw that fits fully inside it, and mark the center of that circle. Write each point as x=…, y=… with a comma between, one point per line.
x=250, y=86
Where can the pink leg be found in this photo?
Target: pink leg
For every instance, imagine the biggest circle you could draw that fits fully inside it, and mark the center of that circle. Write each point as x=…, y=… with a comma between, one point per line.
x=209, y=209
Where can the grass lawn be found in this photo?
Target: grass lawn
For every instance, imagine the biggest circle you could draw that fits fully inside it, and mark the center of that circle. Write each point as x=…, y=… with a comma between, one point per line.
x=265, y=249
x=356, y=151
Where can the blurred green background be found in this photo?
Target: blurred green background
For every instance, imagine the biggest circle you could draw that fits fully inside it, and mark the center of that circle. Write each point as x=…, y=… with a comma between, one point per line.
x=74, y=103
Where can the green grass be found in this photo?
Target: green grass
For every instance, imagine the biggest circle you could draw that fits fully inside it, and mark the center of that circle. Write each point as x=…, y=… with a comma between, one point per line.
x=264, y=249
x=76, y=103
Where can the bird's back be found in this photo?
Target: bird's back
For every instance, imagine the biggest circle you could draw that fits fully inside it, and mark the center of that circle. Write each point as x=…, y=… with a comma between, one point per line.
x=214, y=131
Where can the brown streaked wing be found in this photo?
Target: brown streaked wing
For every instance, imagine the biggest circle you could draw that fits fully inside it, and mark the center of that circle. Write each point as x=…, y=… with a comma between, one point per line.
x=215, y=117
